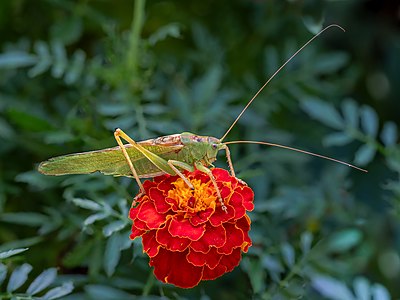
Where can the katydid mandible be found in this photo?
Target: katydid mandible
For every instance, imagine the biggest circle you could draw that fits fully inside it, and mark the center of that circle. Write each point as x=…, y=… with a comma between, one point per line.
x=163, y=155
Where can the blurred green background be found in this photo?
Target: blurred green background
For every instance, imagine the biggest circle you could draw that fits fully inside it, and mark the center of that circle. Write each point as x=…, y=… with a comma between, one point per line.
x=72, y=71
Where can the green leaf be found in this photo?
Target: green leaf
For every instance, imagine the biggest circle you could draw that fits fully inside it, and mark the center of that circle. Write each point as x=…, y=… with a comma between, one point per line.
x=379, y=292
x=60, y=59
x=306, y=241
x=361, y=288
x=369, y=121
x=113, y=227
x=87, y=204
x=6, y=254
x=95, y=217
x=25, y=218
x=3, y=273
x=389, y=135
x=18, y=277
x=288, y=254
x=364, y=155
x=169, y=30
x=331, y=288
x=16, y=59
x=337, y=139
x=76, y=67
x=41, y=282
x=350, y=113
x=329, y=63
x=323, y=112
x=344, y=240
x=97, y=291
x=60, y=291
x=112, y=254
x=44, y=59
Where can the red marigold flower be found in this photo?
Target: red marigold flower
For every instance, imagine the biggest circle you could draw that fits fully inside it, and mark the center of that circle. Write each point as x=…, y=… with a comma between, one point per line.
x=186, y=233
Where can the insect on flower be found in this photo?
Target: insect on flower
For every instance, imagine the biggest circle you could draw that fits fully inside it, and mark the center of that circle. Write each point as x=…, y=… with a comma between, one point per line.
x=170, y=154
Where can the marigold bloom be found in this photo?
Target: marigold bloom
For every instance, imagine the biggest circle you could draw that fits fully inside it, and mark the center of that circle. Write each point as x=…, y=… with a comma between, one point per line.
x=185, y=232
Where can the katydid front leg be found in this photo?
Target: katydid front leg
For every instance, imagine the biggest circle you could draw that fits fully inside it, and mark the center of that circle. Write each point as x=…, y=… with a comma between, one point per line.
x=200, y=167
x=229, y=159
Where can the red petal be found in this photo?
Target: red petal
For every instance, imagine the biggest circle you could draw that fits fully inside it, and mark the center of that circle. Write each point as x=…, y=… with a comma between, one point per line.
x=248, y=197
x=225, y=192
x=135, y=232
x=220, y=216
x=183, y=228
x=236, y=201
x=150, y=216
x=213, y=236
x=140, y=225
x=170, y=242
x=226, y=264
x=221, y=175
x=172, y=267
x=244, y=225
x=234, y=239
x=201, y=217
x=133, y=212
x=210, y=259
x=159, y=200
x=150, y=245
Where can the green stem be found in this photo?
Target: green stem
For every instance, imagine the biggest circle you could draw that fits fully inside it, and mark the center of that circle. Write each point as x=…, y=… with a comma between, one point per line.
x=134, y=38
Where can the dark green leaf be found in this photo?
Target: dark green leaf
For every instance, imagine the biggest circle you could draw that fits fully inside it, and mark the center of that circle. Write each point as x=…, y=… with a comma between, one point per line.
x=87, y=204
x=9, y=253
x=337, y=139
x=18, y=277
x=97, y=291
x=3, y=273
x=331, y=288
x=113, y=227
x=41, y=282
x=25, y=218
x=112, y=253
x=361, y=288
x=306, y=241
x=389, y=135
x=344, y=240
x=288, y=254
x=350, y=112
x=16, y=59
x=364, y=155
x=323, y=112
x=379, y=292
x=169, y=30
x=369, y=121
x=60, y=291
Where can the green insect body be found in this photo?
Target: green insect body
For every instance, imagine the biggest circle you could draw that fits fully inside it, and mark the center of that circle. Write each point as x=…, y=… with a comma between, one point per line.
x=185, y=147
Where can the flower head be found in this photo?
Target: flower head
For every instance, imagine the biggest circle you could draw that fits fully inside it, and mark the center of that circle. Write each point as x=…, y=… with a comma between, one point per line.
x=186, y=233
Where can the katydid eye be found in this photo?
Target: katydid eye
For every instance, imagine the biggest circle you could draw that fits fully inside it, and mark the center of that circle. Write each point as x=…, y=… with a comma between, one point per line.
x=214, y=146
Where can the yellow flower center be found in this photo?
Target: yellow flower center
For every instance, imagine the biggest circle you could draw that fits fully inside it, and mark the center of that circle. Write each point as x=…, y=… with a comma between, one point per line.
x=202, y=197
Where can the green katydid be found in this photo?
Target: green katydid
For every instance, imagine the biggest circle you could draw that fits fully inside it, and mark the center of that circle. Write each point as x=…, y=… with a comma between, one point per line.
x=163, y=155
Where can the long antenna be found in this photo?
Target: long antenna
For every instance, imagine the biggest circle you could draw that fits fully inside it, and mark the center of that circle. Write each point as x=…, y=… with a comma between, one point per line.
x=297, y=150
x=273, y=75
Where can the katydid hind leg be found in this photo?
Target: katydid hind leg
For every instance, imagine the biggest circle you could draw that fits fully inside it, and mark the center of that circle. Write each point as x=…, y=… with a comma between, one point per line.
x=117, y=135
x=206, y=170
